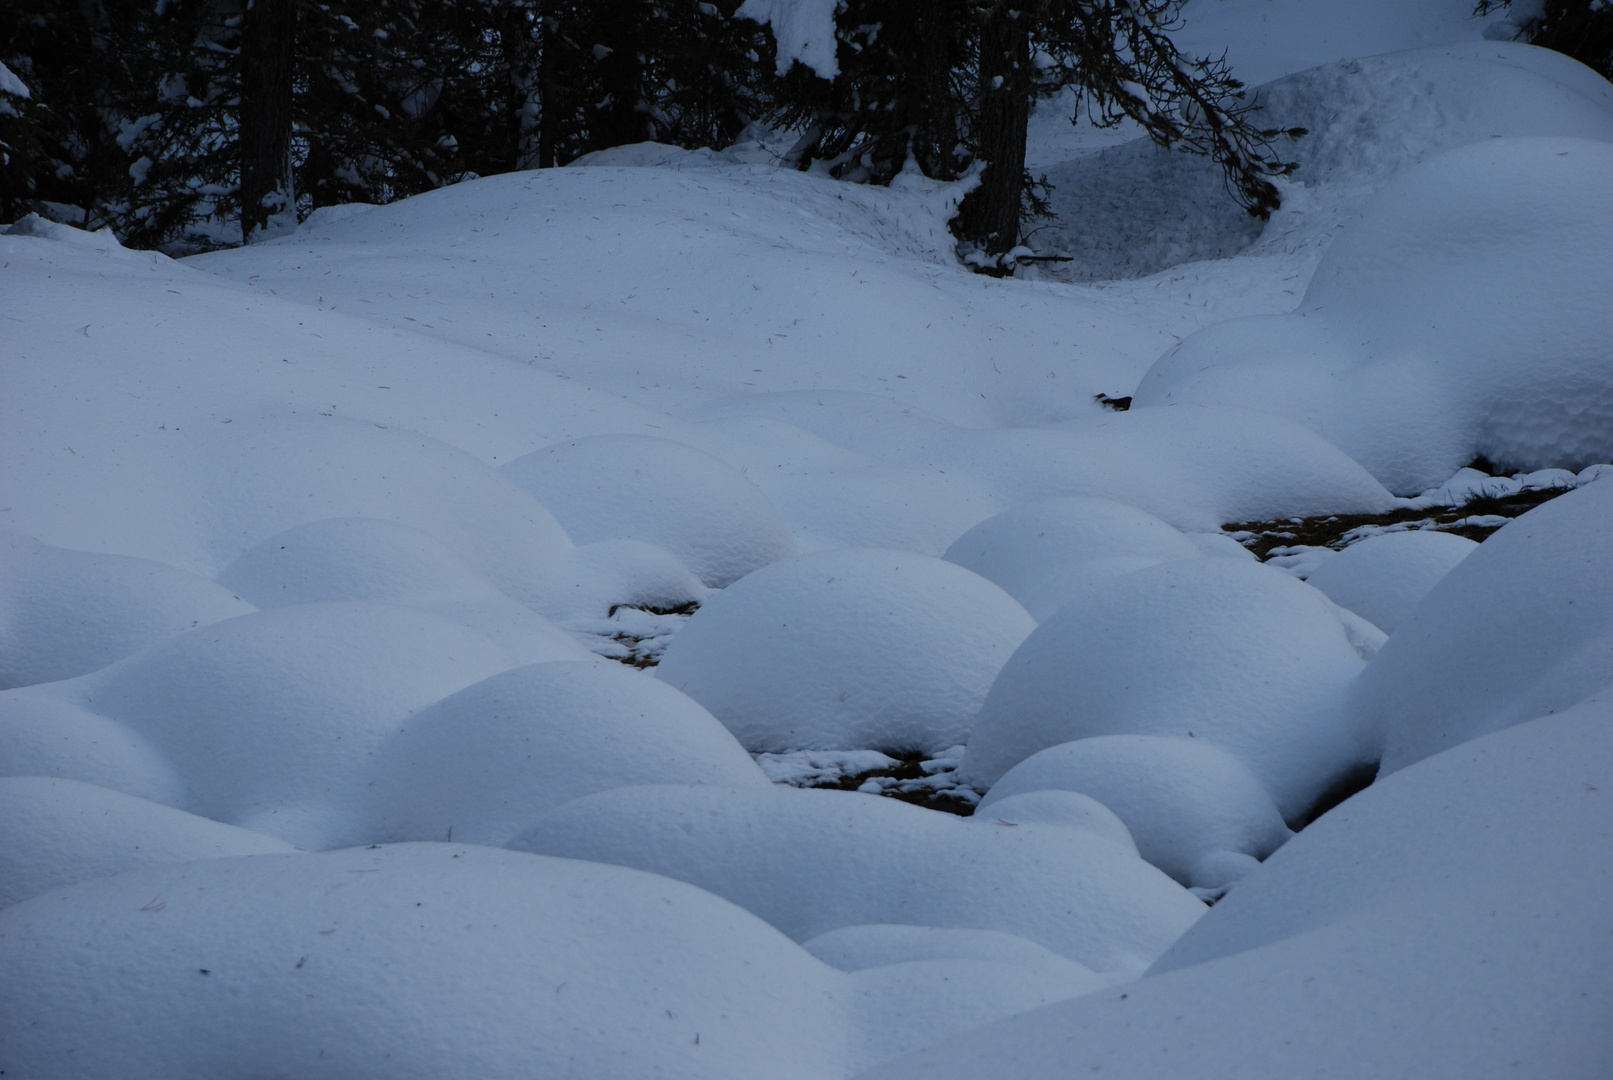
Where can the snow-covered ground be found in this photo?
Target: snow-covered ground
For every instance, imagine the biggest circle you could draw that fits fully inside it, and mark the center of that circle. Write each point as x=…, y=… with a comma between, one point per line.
x=415, y=631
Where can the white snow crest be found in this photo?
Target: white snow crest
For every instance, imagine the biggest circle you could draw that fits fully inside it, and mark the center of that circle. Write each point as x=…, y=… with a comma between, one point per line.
x=804, y=29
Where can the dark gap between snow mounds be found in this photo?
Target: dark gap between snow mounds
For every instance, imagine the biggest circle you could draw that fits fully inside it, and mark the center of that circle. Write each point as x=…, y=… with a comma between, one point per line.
x=1475, y=519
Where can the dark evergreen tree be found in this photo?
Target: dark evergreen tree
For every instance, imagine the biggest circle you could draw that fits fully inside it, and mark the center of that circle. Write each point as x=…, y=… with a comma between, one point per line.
x=952, y=83
x=1582, y=29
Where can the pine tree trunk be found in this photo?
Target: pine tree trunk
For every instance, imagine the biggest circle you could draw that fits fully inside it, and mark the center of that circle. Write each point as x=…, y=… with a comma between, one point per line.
x=991, y=212
x=932, y=110
x=268, y=56
x=550, y=43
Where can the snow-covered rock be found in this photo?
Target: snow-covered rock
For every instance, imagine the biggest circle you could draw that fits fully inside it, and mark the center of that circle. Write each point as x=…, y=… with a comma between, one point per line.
x=812, y=861
x=483, y=764
x=1238, y=654
x=1383, y=578
x=1198, y=468
x=848, y=649
x=1449, y=920
x=67, y=613
x=416, y=960
x=1194, y=811
x=1044, y=553
x=1458, y=317
x=1064, y=809
x=391, y=563
x=270, y=717
x=63, y=831
x=639, y=487
x=44, y=736
x=1520, y=628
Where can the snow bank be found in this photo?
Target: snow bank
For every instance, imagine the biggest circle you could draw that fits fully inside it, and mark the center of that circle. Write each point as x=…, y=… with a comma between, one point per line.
x=270, y=717
x=1044, y=553
x=1449, y=920
x=62, y=831
x=837, y=497
x=1196, y=468
x=1237, y=654
x=1520, y=628
x=812, y=861
x=638, y=487
x=419, y=960
x=1194, y=811
x=387, y=562
x=848, y=649
x=486, y=762
x=1459, y=317
x=66, y=613
x=1383, y=578
x=40, y=736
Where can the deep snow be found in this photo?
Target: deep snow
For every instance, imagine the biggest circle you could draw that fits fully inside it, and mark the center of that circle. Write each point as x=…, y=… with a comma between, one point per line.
x=318, y=545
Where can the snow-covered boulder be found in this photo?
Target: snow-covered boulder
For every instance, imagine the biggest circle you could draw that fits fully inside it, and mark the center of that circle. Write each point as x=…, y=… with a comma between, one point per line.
x=391, y=563
x=1238, y=654
x=1383, y=578
x=1194, y=811
x=1063, y=809
x=1197, y=468
x=62, y=831
x=1044, y=553
x=67, y=613
x=483, y=764
x=270, y=717
x=416, y=960
x=45, y=736
x=1450, y=920
x=1459, y=316
x=639, y=487
x=810, y=861
x=1520, y=628
x=848, y=649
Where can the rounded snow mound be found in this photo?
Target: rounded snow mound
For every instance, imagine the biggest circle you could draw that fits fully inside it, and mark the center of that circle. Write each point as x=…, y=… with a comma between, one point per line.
x=1383, y=578
x=810, y=861
x=638, y=487
x=1460, y=316
x=63, y=831
x=1044, y=553
x=1187, y=805
x=1240, y=655
x=1197, y=468
x=66, y=613
x=1521, y=628
x=848, y=649
x=391, y=563
x=412, y=961
x=486, y=762
x=43, y=736
x=270, y=717
x=1064, y=809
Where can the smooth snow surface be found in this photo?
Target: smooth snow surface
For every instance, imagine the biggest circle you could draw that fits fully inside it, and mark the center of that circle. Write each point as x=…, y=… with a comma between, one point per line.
x=483, y=764
x=1457, y=318
x=1067, y=809
x=269, y=717
x=1187, y=805
x=67, y=613
x=62, y=831
x=1520, y=628
x=1447, y=921
x=813, y=861
x=1383, y=578
x=1045, y=553
x=637, y=487
x=40, y=736
x=844, y=649
x=1242, y=656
